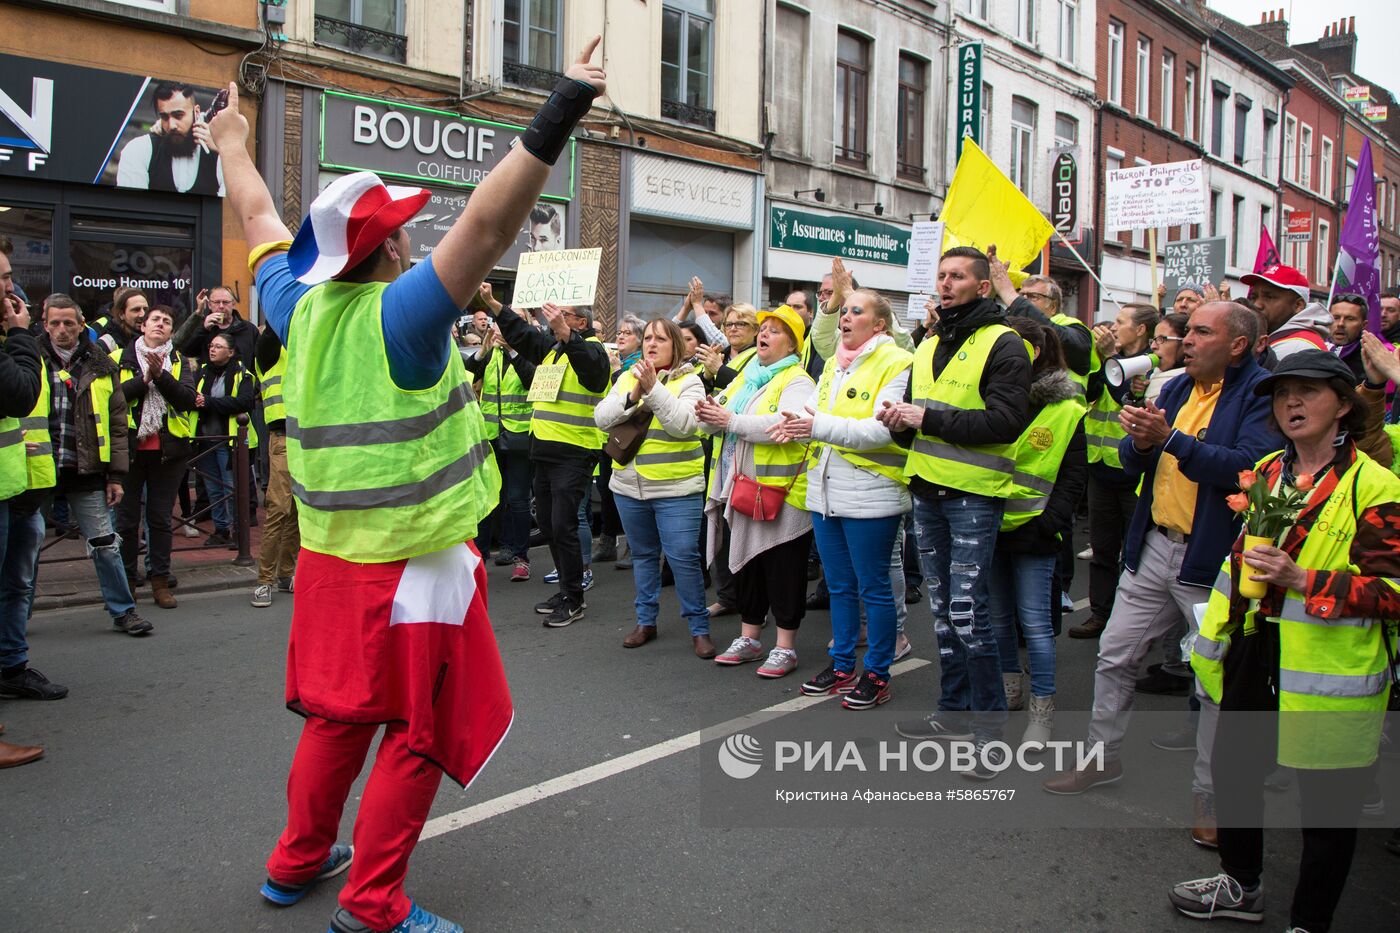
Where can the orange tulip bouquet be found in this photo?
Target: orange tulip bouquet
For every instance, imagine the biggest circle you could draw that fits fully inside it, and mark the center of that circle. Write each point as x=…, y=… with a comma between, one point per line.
x=1267, y=517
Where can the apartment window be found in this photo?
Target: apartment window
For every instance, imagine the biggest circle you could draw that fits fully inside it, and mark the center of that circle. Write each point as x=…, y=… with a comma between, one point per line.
x=1380, y=202
x=853, y=96
x=1022, y=143
x=1237, y=230
x=1266, y=219
x=1112, y=162
x=1270, y=124
x=1066, y=130
x=912, y=82
x=1069, y=30
x=1351, y=180
x=1025, y=20
x=1144, y=79
x=977, y=8
x=790, y=80
x=1241, y=129
x=687, y=61
x=530, y=38
x=986, y=140
x=1393, y=194
x=1290, y=147
x=1324, y=250
x=1305, y=151
x=1214, y=213
x=366, y=27
x=1168, y=119
x=1115, y=61
x=1324, y=170
x=1188, y=103
x=1218, y=96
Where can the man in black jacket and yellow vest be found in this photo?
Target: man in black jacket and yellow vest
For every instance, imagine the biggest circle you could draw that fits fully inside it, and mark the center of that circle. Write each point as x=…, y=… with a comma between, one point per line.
x=965, y=408
x=571, y=377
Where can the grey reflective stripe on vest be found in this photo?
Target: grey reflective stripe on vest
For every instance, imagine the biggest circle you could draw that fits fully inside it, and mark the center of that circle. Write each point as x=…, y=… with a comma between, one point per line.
x=929, y=404
x=41, y=450
x=578, y=398
x=1208, y=648
x=274, y=381
x=1027, y=505
x=509, y=399
x=367, y=433
x=12, y=436
x=1100, y=440
x=491, y=417
x=1331, y=685
x=976, y=458
x=883, y=458
x=674, y=456
x=559, y=417
x=660, y=434
x=1099, y=414
x=1031, y=481
x=778, y=469
x=34, y=423
x=1295, y=610
x=400, y=496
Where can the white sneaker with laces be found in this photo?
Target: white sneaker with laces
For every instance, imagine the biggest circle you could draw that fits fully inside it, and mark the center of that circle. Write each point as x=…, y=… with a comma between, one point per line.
x=780, y=663
x=262, y=596
x=740, y=651
x=1218, y=896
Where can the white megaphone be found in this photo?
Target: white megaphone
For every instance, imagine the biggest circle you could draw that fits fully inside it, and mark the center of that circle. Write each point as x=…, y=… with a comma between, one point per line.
x=1118, y=372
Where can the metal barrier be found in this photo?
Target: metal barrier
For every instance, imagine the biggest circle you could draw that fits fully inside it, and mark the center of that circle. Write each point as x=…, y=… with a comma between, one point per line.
x=241, y=494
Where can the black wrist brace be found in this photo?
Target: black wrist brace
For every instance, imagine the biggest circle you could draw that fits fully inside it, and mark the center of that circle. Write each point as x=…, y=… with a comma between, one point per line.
x=549, y=132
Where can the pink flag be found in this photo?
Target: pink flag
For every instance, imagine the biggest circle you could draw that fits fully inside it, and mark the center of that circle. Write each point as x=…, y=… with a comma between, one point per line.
x=1268, y=252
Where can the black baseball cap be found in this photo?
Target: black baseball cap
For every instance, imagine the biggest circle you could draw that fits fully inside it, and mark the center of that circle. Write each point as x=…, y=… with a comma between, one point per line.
x=1306, y=364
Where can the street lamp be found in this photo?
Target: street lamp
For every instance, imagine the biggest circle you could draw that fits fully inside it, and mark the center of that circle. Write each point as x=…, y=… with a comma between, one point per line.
x=879, y=208
x=816, y=193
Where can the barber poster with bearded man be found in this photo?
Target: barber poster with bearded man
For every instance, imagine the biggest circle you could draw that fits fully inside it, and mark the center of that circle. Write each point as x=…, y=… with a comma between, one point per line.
x=165, y=145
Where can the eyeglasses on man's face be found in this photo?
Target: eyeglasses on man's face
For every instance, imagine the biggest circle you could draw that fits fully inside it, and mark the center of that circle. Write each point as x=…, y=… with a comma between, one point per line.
x=1035, y=296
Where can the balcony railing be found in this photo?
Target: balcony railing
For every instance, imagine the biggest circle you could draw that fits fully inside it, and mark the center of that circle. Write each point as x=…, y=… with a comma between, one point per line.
x=520, y=75
x=362, y=40
x=688, y=113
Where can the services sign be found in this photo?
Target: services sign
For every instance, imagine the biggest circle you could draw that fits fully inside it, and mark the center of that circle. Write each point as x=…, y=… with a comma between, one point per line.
x=678, y=189
x=1299, y=229
x=435, y=147
x=1145, y=196
x=846, y=237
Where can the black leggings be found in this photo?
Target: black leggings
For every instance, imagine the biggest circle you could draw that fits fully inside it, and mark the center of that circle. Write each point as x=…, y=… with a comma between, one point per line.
x=775, y=579
x=154, y=479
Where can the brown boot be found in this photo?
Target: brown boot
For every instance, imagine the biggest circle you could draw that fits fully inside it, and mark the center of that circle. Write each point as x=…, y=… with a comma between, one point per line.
x=1092, y=628
x=640, y=636
x=1203, y=829
x=160, y=591
x=1074, y=783
x=704, y=648
x=12, y=756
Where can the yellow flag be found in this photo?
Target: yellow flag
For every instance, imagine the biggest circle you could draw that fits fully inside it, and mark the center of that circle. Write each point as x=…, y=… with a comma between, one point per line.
x=983, y=207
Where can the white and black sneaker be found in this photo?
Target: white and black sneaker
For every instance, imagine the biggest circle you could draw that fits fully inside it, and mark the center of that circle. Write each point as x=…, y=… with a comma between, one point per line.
x=1218, y=896
x=943, y=726
x=567, y=613
x=551, y=604
x=990, y=760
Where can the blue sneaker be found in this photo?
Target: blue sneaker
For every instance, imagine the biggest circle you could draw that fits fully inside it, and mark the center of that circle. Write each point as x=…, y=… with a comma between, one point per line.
x=588, y=579
x=552, y=576
x=285, y=895
x=417, y=921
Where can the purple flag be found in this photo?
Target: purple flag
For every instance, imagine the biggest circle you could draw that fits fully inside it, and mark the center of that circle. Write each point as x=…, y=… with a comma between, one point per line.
x=1359, y=257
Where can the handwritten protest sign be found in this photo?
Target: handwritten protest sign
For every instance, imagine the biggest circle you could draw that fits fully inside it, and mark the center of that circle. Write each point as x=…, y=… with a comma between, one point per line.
x=561, y=276
x=916, y=312
x=1197, y=261
x=1166, y=195
x=925, y=246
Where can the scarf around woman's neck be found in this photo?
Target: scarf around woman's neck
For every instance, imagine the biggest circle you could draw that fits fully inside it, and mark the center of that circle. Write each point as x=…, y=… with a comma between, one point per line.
x=154, y=408
x=756, y=376
x=844, y=357
x=630, y=360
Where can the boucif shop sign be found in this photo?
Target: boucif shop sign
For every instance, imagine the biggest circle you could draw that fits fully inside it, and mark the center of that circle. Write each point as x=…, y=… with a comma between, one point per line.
x=431, y=147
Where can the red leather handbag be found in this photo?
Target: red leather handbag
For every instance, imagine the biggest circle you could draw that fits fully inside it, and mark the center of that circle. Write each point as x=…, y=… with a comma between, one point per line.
x=759, y=502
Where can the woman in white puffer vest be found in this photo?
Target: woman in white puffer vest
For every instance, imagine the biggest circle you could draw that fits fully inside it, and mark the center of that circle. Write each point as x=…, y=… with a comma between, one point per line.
x=857, y=493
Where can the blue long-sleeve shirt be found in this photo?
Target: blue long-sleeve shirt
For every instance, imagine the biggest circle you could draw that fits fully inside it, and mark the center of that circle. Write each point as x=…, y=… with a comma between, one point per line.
x=417, y=319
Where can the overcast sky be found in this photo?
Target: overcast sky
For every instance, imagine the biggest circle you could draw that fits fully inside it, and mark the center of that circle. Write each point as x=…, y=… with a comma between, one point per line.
x=1375, y=29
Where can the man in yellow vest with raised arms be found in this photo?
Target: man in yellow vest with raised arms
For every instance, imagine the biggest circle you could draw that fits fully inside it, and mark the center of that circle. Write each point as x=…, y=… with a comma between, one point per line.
x=392, y=472
x=965, y=409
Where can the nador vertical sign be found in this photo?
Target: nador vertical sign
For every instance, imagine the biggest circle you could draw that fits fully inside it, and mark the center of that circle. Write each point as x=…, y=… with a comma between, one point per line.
x=969, y=90
x=1064, y=192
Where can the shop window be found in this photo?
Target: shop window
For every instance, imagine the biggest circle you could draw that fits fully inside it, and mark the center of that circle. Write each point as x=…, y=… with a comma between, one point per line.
x=373, y=28
x=530, y=43
x=30, y=235
x=107, y=252
x=687, y=43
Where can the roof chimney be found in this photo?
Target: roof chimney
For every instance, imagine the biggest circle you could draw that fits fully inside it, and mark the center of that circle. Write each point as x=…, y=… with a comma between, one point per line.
x=1326, y=32
x=1351, y=24
x=1274, y=26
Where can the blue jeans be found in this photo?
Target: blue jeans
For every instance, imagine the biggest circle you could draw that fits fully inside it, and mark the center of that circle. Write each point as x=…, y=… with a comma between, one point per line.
x=856, y=558
x=21, y=533
x=585, y=526
x=219, y=481
x=89, y=510
x=672, y=527
x=957, y=539
x=1022, y=587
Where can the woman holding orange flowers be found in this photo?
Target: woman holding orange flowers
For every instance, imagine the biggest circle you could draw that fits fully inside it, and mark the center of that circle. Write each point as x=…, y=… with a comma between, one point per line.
x=1312, y=651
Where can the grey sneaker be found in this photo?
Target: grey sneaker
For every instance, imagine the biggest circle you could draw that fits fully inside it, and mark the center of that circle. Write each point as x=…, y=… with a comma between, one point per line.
x=780, y=663
x=1218, y=896
x=284, y=584
x=132, y=624
x=902, y=647
x=262, y=596
x=740, y=651
x=941, y=726
x=1177, y=740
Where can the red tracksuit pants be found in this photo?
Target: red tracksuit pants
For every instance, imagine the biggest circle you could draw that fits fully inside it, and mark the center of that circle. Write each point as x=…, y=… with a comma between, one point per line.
x=392, y=812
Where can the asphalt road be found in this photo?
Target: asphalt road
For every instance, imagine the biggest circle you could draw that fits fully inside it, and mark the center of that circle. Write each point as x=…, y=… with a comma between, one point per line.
x=162, y=792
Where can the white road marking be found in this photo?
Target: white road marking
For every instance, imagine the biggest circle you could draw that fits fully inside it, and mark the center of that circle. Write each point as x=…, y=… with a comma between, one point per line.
x=498, y=806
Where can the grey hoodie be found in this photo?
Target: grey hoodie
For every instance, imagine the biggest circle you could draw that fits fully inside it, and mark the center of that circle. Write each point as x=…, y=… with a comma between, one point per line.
x=1292, y=336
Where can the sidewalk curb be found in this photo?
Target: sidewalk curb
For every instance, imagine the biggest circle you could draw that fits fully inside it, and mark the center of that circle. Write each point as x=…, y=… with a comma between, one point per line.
x=203, y=580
